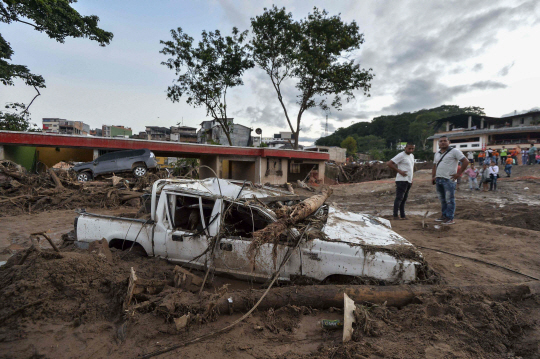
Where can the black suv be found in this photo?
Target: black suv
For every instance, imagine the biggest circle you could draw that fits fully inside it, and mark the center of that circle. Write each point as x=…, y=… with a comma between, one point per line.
x=136, y=161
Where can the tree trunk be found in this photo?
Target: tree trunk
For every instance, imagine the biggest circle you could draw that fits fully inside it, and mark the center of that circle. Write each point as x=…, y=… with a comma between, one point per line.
x=326, y=296
x=55, y=179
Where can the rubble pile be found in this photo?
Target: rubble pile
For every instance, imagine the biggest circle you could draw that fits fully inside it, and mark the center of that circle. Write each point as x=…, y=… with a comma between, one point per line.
x=352, y=173
x=57, y=188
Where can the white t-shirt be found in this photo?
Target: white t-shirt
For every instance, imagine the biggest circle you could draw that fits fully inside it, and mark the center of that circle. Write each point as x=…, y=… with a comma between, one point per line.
x=449, y=163
x=404, y=162
x=493, y=170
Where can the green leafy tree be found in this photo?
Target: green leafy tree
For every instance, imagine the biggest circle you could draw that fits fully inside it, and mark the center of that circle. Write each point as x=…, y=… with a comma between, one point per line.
x=350, y=145
x=366, y=143
x=15, y=118
x=207, y=71
x=312, y=52
x=54, y=17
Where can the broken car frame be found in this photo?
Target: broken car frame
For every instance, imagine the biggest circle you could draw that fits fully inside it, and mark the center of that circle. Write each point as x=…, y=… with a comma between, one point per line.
x=187, y=216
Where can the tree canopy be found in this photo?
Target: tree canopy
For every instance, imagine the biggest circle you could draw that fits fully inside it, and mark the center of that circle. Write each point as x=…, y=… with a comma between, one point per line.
x=207, y=71
x=54, y=17
x=313, y=52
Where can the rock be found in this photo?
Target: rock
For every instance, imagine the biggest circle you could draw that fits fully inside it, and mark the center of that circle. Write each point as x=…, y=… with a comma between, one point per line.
x=101, y=248
x=182, y=322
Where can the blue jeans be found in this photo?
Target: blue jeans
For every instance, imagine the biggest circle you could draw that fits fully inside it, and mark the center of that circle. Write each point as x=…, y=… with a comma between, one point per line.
x=473, y=181
x=508, y=169
x=446, y=189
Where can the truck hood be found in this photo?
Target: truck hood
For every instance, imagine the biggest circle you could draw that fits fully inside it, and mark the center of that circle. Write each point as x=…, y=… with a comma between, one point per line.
x=361, y=229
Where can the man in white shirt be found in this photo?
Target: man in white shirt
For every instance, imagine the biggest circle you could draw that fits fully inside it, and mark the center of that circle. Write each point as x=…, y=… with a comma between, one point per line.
x=444, y=174
x=470, y=156
x=403, y=164
x=493, y=172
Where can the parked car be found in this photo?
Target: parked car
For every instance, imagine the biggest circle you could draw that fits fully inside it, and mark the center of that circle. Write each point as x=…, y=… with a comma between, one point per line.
x=187, y=214
x=136, y=161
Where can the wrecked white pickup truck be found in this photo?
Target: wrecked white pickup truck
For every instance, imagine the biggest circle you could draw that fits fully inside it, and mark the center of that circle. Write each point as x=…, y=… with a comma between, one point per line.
x=187, y=214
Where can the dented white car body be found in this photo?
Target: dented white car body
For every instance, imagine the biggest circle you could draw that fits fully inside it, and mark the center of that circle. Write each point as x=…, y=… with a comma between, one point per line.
x=187, y=214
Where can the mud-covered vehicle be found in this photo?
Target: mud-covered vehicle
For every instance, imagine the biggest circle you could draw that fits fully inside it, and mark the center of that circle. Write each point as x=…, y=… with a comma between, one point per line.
x=187, y=214
x=136, y=161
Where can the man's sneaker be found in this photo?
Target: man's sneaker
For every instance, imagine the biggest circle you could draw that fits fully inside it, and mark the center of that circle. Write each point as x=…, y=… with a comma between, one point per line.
x=449, y=221
x=442, y=219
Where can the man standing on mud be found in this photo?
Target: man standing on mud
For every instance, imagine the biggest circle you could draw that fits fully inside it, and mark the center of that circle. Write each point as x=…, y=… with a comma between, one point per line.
x=444, y=175
x=403, y=164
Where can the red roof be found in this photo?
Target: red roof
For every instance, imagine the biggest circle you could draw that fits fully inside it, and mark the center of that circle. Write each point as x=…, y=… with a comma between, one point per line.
x=179, y=149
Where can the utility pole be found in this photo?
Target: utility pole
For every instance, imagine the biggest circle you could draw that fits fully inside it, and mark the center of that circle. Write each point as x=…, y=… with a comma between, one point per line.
x=326, y=127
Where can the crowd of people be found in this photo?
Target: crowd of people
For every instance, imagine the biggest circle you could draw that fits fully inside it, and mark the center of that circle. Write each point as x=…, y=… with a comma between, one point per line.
x=489, y=161
x=449, y=165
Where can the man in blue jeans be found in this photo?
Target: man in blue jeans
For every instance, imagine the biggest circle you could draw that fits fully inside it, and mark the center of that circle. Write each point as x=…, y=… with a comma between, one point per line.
x=444, y=175
x=403, y=164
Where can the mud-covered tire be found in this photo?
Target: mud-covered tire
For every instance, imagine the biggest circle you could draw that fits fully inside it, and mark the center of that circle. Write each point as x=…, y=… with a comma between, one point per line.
x=84, y=176
x=140, y=171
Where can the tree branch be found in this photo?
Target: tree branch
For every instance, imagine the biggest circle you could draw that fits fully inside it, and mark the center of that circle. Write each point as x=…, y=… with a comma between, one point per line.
x=27, y=23
x=31, y=102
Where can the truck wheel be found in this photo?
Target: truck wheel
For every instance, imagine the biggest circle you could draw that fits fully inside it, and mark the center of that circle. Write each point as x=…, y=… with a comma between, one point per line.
x=84, y=176
x=139, y=171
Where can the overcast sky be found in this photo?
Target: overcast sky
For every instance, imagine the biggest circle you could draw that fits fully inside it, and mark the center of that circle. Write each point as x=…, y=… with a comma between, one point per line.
x=423, y=53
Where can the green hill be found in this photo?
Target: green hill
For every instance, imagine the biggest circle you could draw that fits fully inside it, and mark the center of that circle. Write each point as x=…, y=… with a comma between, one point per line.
x=380, y=136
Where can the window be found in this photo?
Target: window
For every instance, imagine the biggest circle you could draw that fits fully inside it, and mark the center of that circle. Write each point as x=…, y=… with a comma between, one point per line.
x=186, y=212
x=462, y=146
x=295, y=168
x=105, y=157
x=475, y=145
x=242, y=221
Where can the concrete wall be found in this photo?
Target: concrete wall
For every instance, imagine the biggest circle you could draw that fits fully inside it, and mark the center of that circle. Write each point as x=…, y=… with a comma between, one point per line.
x=337, y=154
x=274, y=170
x=52, y=155
x=22, y=155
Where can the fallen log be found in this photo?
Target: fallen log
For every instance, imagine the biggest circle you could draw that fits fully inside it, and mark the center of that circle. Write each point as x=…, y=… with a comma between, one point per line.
x=327, y=296
x=55, y=179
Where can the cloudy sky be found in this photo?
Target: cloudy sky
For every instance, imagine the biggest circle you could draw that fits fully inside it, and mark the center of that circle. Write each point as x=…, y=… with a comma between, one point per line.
x=423, y=53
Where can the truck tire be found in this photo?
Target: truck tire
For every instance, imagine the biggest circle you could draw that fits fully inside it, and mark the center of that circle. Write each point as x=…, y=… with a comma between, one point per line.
x=84, y=176
x=139, y=171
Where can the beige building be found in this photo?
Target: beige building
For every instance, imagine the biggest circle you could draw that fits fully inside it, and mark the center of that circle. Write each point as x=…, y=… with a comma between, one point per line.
x=476, y=133
x=337, y=154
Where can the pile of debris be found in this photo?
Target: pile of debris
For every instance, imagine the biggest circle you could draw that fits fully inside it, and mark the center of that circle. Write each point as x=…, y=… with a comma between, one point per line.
x=352, y=173
x=57, y=188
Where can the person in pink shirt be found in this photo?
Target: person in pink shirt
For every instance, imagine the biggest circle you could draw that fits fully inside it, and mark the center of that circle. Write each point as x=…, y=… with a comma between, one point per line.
x=472, y=172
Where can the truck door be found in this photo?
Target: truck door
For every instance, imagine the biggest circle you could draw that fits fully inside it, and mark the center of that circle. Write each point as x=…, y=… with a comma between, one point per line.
x=186, y=239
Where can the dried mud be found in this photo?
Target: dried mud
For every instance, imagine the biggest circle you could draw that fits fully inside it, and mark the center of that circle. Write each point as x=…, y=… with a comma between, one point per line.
x=69, y=307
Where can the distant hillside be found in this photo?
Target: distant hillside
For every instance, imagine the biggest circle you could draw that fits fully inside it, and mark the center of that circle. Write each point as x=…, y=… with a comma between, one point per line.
x=385, y=131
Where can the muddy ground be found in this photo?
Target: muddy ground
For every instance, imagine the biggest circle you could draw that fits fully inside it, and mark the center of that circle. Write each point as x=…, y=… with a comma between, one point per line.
x=72, y=306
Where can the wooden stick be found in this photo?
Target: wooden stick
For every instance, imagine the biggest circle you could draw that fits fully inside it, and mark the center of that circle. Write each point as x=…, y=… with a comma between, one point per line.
x=131, y=287
x=48, y=239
